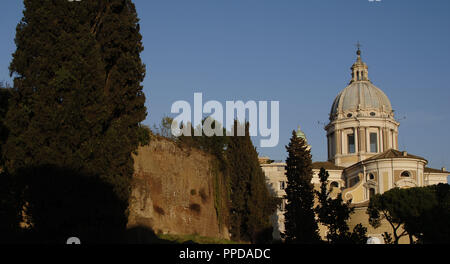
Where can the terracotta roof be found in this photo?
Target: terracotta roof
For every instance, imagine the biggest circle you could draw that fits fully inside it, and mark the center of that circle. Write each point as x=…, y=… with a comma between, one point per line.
x=431, y=170
x=326, y=165
x=392, y=153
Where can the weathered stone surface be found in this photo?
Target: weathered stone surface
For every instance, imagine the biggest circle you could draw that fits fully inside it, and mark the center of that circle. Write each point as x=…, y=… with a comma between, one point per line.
x=173, y=191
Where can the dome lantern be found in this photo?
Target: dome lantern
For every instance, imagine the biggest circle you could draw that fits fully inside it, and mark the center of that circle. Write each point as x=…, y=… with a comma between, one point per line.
x=360, y=71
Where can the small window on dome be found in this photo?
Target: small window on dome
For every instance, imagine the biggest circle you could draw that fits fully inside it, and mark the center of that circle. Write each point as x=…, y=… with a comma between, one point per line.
x=373, y=114
x=371, y=176
x=406, y=174
x=349, y=115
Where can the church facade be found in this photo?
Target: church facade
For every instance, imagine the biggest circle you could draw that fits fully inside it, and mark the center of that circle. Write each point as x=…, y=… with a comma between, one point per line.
x=363, y=152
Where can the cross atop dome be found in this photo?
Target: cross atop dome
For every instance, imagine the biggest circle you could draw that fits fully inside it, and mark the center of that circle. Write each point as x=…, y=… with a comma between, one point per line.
x=358, y=45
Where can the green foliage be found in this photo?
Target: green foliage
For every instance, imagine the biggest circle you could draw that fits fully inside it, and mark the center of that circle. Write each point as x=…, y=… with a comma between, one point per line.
x=78, y=100
x=165, y=128
x=252, y=204
x=216, y=146
x=422, y=212
x=5, y=94
x=300, y=223
x=359, y=235
x=144, y=135
x=221, y=193
x=387, y=237
x=334, y=214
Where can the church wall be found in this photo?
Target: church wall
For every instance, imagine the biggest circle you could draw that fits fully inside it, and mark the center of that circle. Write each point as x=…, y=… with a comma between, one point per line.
x=435, y=178
x=386, y=175
x=335, y=176
x=347, y=160
x=385, y=182
x=276, y=174
x=362, y=139
x=358, y=195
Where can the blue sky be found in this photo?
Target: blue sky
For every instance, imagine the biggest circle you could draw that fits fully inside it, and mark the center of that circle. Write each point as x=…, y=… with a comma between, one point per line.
x=298, y=53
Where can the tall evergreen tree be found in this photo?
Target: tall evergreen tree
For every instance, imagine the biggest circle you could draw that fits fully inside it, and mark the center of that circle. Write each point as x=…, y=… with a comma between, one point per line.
x=300, y=224
x=57, y=113
x=251, y=202
x=9, y=208
x=78, y=97
x=5, y=94
x=115, y=26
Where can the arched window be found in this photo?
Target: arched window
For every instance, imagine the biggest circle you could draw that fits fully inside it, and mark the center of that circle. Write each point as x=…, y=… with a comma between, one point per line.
x=334, y=185
x=406, y=174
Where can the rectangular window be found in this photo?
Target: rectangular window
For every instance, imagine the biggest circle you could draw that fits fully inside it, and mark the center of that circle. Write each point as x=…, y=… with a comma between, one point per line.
x=351, y=143
x=282, y=185
x=373, y=142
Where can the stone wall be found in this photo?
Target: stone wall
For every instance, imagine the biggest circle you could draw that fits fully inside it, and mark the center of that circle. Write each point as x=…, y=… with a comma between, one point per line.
x=173, y=191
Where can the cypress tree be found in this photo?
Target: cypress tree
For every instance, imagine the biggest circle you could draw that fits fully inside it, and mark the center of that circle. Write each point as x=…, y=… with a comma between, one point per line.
x=9, y=217
x=78, y=102
x=251, y=203
x=300, y=223
x=5, y=94
x=57, y=113
x=115, y=26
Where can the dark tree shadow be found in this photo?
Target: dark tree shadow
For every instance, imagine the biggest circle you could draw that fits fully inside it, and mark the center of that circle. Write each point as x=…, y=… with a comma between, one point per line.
x=59, y=203
x=49, y=205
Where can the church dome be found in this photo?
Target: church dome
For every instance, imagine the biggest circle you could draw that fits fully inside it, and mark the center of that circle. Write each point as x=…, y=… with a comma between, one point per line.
x=360, y=97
